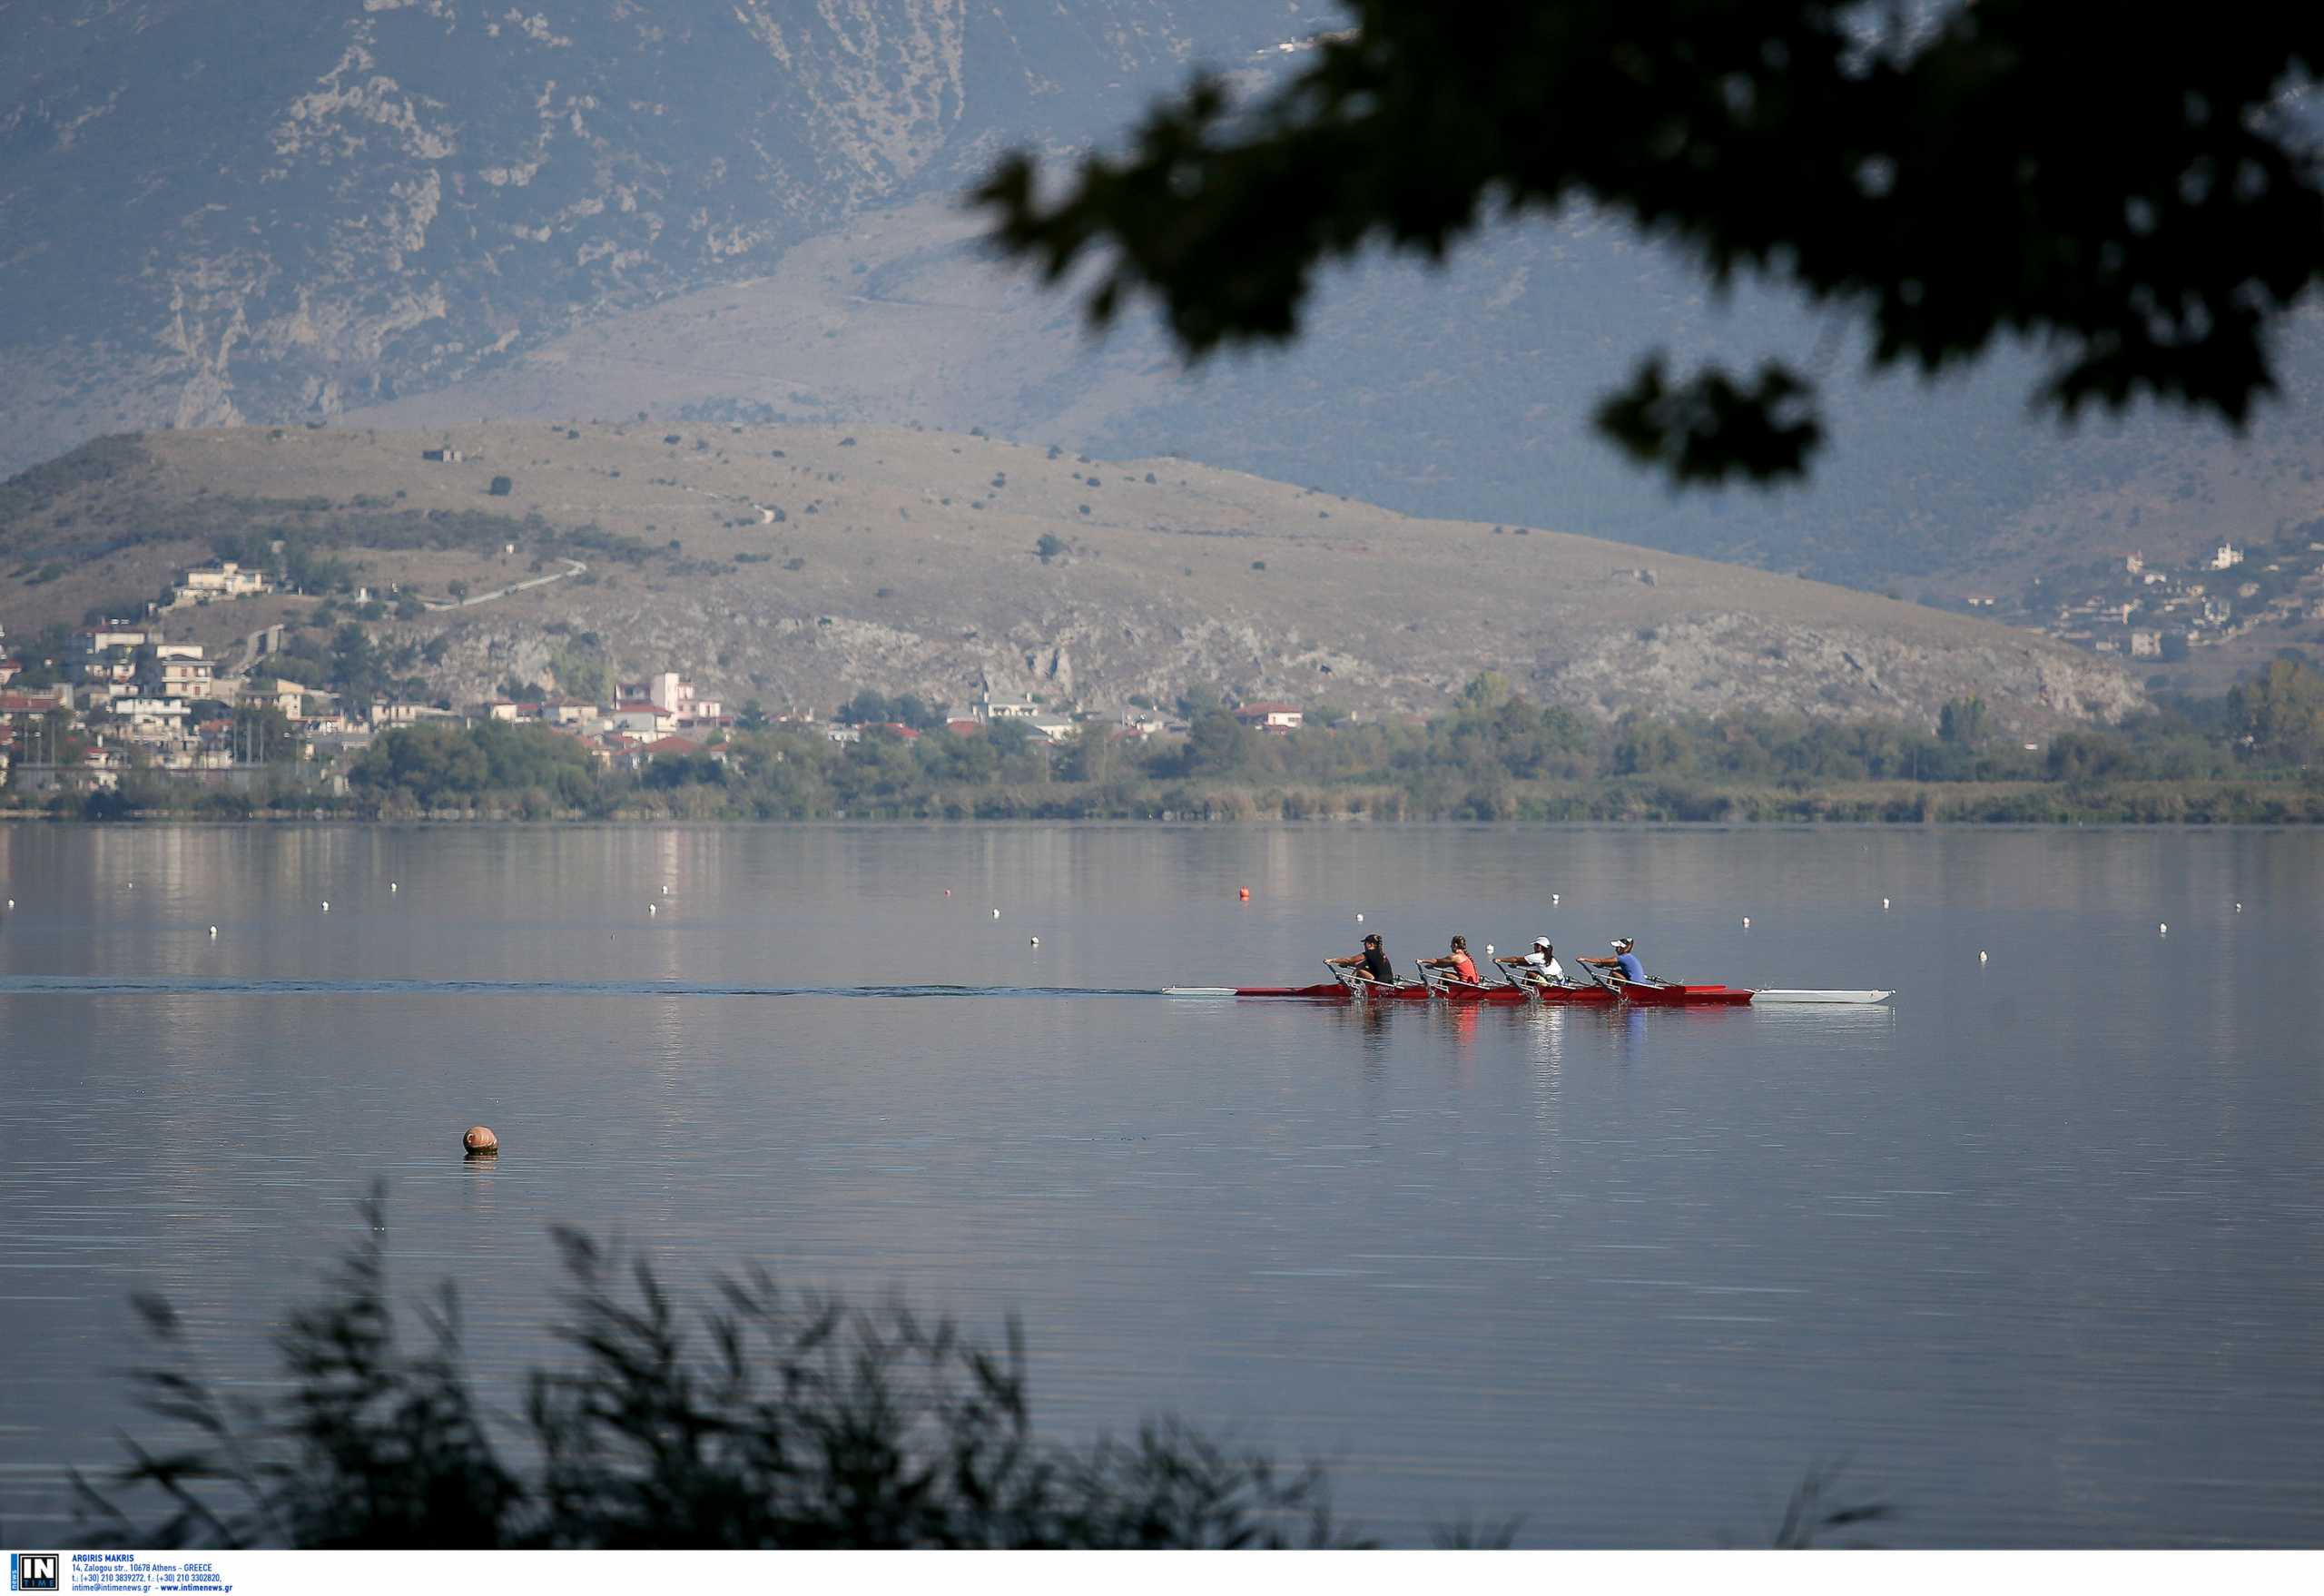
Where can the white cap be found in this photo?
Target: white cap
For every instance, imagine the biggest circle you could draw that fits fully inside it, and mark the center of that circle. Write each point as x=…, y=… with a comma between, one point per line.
x=1540, y=941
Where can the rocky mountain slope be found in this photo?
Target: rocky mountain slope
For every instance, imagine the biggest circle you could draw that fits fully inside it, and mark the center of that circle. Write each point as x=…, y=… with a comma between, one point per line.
x=277, y=209
x=798, y=565
x=429, y=211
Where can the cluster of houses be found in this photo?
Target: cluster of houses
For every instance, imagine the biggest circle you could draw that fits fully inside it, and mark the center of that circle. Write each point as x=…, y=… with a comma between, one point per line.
x=2147, y=612
x=132, y=700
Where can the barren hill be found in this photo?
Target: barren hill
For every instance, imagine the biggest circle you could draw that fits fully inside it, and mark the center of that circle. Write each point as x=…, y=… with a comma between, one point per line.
x=798, y=565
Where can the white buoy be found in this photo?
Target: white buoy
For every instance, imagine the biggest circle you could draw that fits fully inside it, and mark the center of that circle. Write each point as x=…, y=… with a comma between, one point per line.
x=1747, y=923
x=1488, y=950
x=1884, y=903
x=213, y=931
x=1553, y=898
x=326, y=905
x=12, y=903
x=2163, y=930
x=1037, y=942
x=1359, y=920
x=393, y=888
x=996, y=914
x=652, y=909
x=665, y=889
x=2239, y=908
x=1980, y=957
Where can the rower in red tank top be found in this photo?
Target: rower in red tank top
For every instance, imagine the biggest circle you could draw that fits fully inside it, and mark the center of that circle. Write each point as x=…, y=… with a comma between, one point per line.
x=1458, y=961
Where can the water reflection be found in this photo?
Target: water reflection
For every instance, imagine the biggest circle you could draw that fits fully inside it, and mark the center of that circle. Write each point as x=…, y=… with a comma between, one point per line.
x=2029, y=1245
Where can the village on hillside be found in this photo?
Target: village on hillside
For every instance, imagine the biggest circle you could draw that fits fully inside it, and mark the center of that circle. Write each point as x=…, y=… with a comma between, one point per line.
x=2161, y=612
x=125, y=697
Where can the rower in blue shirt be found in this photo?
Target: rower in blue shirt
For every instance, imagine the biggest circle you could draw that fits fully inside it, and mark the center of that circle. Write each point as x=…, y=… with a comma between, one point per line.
x=1625, y=960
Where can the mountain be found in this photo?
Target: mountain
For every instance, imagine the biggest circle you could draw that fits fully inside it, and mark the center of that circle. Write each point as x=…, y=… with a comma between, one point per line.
x=275, y=209
x=415, y=212
x=799, y=564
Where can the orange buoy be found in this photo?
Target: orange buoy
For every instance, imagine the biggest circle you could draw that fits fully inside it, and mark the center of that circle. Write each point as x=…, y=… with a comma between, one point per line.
x=1244, y=892
x=480, y=1142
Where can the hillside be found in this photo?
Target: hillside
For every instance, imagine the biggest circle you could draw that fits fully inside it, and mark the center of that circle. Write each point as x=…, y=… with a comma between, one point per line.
x=407, y=214
x=797, y=565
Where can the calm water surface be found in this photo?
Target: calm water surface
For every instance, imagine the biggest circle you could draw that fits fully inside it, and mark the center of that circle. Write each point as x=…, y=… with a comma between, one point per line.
x=2036, y=1250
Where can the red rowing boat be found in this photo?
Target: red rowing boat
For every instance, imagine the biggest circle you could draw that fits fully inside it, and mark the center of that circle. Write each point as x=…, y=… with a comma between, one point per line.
x=1404, y=992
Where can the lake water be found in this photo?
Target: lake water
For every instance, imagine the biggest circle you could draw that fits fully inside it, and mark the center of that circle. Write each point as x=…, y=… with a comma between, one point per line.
x=2036, y=1249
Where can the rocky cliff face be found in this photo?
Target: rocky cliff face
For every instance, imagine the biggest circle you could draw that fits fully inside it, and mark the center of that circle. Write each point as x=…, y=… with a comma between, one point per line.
x=278, y=208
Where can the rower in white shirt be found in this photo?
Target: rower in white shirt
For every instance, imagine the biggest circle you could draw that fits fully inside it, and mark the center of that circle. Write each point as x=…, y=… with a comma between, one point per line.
x=1539, y=968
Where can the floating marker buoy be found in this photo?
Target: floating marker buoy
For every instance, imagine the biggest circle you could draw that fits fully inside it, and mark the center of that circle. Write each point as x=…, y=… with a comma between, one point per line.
x=665, y=889
x=1488, y=950
x=2163, y=930
x=1980, y=957
x=1359, y=920
x=1747, y=923
x=652, y=909
x=480, y=1142
x=2239, y=908
x=12, y=903
x=996, y=914
x=1244, y=893
x=1884, y=903
x=326, y=905
x=393, y=888
x=1553, y=897
x=1037, y=942
x=213, y=931
x=948, y=891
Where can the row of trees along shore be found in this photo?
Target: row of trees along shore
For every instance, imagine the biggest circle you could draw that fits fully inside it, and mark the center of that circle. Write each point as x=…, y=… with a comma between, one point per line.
x=2255, y=754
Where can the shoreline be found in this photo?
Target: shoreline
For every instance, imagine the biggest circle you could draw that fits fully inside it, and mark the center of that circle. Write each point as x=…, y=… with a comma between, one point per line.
x=2205, y=806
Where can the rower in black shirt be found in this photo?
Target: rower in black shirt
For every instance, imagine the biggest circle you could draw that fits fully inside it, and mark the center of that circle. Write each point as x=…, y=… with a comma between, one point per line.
x=1373, y=962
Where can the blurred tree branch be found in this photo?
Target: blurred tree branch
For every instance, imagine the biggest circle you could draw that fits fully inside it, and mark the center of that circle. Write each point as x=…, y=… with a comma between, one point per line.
x=2137, y=199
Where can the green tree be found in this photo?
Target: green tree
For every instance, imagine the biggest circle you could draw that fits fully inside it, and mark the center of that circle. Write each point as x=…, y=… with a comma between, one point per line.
x=2143, y=203
x=359, y=672
x=1961, y=722
x=2282, y=711
x=1217, y=745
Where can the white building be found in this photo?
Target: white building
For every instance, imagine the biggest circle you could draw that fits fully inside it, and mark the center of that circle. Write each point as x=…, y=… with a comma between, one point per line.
x=990, y=709
x=2226, y=557
x=671, y=692
x=225, y=580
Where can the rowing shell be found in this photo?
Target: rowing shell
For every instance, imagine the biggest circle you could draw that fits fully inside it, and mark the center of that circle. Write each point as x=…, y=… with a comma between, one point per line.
x=1672, y=996
x=1404, y=992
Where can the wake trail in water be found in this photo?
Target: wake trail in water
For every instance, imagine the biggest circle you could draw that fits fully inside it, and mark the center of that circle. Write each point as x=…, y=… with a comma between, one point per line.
x=126, y=985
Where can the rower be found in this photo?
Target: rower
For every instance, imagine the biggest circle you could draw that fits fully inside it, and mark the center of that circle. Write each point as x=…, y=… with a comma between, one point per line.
x=1372, y=964
x=1539, y=968
x=1625, y=962
x=1463, y=968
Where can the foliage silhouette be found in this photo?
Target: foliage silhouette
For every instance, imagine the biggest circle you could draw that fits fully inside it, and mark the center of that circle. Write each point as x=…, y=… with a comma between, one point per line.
x=784, y=1419
x=2143, y=203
